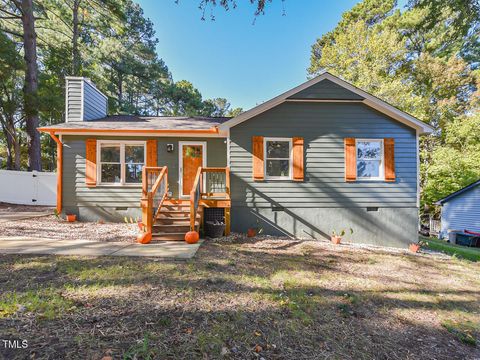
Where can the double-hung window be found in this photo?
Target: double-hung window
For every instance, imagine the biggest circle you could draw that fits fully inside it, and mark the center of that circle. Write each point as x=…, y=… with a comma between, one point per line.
x=120, y=162
x=278, y=158
x=370, y=164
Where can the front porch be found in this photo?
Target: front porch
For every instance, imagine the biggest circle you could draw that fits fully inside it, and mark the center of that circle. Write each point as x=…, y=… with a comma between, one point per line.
x=167, y=218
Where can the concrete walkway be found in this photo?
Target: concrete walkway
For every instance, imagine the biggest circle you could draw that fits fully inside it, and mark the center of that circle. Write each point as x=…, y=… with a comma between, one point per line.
x=164, y=249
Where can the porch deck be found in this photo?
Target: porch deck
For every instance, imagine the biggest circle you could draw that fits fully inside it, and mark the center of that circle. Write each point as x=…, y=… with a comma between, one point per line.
x=168, y=218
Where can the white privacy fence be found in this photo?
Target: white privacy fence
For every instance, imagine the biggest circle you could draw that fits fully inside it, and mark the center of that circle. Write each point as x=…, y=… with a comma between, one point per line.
x=28, y=188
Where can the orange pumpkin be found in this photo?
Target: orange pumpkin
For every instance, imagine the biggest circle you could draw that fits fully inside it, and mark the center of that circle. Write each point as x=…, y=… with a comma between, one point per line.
x=251, y=232
x=192, y=237
x=144, y=237
x=71, y=217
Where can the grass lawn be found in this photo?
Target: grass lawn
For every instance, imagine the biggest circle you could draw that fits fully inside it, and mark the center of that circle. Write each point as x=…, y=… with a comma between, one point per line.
x=472, y=254
x=271, y=299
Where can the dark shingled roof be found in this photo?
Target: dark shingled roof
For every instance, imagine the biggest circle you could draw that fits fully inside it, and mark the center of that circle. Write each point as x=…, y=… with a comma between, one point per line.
x=130, y=122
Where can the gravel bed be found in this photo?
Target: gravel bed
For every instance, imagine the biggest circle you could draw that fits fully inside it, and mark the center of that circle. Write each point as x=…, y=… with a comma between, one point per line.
x=54, y=228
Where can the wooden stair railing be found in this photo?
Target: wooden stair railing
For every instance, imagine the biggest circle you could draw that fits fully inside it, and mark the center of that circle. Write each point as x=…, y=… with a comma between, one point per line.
x=217, y=183
x=195, y=196
x=154, y=193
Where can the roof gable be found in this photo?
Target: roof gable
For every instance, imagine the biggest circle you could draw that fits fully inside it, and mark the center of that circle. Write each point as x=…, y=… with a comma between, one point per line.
x=326, y=89
x=459, y=192
x=365, y=98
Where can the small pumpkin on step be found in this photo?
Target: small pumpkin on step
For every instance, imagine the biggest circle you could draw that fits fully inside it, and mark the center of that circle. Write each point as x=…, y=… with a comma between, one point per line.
x=192, y=237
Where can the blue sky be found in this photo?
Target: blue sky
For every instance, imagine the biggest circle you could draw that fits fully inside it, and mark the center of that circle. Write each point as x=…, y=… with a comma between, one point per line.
x=232, y=58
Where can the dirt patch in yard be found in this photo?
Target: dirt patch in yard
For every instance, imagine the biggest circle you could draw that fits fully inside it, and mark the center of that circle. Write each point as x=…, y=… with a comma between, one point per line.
x=244, y=299
x=51, y=227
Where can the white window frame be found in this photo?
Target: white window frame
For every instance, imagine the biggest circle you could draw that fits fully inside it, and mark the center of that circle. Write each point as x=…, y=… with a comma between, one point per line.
x=122, y=144
x=290, y=158
x=381, y=168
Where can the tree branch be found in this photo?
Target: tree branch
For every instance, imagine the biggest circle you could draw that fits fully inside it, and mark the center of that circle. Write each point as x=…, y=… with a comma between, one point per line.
x=11, y=32
x=18, y=4
x=60, y=18
x=10, y=13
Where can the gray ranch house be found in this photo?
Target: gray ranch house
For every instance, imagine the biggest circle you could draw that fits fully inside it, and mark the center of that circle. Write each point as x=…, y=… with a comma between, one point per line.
x=322, y=156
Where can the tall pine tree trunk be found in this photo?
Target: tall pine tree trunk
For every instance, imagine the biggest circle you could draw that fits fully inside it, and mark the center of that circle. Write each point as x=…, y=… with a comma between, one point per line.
x=31, y=86
x=17, y=151
x=120, y=90
x=76, y=61
x=13, y=143
x=9, y=150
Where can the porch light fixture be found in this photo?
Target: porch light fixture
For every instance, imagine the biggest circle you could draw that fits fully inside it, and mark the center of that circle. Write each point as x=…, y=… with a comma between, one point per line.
x=169, y=147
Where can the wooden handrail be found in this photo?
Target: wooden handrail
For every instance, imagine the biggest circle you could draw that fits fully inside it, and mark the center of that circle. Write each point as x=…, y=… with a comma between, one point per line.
x=147, y=202
x=193, y=195
x=155, y=186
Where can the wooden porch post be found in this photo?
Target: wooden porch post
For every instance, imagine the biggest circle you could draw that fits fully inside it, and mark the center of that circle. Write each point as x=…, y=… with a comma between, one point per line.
x=59, y=172
x=147, y=212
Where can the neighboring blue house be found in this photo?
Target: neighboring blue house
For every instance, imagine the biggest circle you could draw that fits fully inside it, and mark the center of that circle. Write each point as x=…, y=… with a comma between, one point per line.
x=461, y=210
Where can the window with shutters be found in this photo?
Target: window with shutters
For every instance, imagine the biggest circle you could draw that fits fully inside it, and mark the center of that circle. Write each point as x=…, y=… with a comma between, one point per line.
x=370, y=162
x=120, y=162
x=278, y=158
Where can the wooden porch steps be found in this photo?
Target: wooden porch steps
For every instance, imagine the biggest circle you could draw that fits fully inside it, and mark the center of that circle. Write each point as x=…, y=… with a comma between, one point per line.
x=173, y=221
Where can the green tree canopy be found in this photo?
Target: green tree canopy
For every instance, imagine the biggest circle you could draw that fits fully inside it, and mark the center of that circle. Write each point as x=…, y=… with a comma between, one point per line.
x=110, y=41
x=423, y=61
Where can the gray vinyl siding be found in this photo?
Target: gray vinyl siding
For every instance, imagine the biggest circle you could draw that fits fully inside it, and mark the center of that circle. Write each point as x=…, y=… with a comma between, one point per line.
x=324, y=201
x=94, y=104
x=323, y=127
x=216, y=157
x=105, y=201
x=462, y=212
x=326, y=89
x=74, y=100
x=84, y=101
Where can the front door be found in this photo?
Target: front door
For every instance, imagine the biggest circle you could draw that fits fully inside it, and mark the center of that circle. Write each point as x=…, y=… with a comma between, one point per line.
x=192, y=156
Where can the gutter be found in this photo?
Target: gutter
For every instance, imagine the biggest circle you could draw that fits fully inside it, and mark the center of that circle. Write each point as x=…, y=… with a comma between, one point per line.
x=59, y=171
x=213, y=130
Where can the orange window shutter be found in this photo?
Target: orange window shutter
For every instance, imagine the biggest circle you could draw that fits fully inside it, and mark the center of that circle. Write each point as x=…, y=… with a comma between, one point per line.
x=298, y=170
x=258, y=158
x=152, y=153
x=91, y=162
x=350, y=160
x=389, y=156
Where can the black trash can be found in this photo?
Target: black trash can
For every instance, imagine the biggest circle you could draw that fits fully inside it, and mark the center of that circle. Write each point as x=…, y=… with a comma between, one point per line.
x=214, y=229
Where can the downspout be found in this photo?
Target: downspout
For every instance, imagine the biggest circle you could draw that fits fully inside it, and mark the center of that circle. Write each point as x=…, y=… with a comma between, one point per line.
x=59, y=171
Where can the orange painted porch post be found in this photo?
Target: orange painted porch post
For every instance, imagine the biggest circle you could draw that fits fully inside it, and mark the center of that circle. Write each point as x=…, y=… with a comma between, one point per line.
x=59, y=172
x=146, y=203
